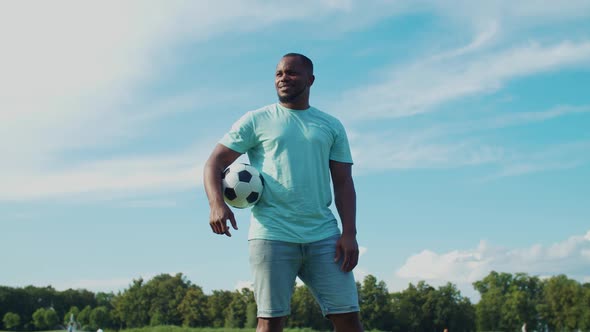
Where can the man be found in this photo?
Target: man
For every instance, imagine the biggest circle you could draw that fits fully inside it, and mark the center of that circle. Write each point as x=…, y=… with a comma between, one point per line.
x=298, y=149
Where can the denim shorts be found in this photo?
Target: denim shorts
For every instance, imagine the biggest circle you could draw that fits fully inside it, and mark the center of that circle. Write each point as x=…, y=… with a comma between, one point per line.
x=276, y=264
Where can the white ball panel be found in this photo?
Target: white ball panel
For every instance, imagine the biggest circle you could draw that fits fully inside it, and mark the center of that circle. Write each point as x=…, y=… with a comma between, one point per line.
x=256, y=184
x=231, y=179
x=237, y=167
x=242, y=190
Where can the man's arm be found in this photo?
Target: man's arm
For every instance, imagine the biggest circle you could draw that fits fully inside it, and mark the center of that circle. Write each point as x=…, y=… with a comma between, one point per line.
x=345, y=199
x=220, y=213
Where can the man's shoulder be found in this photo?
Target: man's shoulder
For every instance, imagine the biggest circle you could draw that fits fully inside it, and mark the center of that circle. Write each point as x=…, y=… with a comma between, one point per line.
x=326, y=116
x=257, y=114
x=264, y=109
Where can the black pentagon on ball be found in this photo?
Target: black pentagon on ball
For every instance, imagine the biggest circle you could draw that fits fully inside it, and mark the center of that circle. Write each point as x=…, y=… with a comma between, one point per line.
x=252, y=197
x=230, y=193
x=244, y=176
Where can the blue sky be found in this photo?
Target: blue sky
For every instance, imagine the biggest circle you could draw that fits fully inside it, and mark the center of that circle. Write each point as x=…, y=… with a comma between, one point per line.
x=469, y=125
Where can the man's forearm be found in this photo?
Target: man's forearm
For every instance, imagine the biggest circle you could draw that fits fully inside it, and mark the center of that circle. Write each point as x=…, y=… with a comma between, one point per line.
x=212, y=181
x=345, y=198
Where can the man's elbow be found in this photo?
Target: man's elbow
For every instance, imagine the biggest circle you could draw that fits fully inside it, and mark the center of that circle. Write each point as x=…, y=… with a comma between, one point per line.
x=345, y=186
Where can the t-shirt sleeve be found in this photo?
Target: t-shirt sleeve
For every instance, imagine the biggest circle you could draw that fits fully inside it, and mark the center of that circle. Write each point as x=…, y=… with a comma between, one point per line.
x=340, y=150
x=241, y=137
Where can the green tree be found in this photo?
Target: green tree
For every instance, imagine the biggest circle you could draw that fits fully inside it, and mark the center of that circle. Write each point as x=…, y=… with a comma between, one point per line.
x=84, y=317
x=100, y=318
x=105, y=300
x=45, y=318
x=561, y=306
x=450, y=310
x=305, y=311
x=492, y=289
x=11, y=321
x=409, y=309
x=375, y=304
x=585, y=308
x=507, y=301
x=72, y=313
x=217, y=304
x=236, y=312
x=164, y=293
x=63, y=301
x=51, y=318
x=131, y=307
x=39, y=319
x=521, y=302
x=192, y=308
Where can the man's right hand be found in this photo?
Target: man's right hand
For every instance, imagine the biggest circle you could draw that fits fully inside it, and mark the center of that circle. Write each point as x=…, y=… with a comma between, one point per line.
x=218, y=217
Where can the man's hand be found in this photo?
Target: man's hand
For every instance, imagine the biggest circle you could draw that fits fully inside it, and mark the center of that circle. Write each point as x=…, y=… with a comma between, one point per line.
x=348, y=247
x=220, y=214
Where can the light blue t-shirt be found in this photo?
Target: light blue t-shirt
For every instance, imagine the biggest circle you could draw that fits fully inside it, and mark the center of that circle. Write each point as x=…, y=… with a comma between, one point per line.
x=292, y=150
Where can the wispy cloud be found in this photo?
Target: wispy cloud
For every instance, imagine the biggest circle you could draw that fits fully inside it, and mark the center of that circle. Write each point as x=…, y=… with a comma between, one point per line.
x=173, y=171
x=425, y=85
x=68, y=81
x=555, y=157
x=96, y=285
x=149, y=203
x=72, y=74
x=456, y=144
x=383, y=150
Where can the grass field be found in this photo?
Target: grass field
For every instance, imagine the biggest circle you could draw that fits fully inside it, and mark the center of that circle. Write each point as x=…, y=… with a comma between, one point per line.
x=201, y=329
x=184, y=329
x=188, y=329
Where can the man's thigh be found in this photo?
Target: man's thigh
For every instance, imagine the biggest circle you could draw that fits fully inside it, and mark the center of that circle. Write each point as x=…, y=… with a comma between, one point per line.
x=334, y=289
x=274, y=266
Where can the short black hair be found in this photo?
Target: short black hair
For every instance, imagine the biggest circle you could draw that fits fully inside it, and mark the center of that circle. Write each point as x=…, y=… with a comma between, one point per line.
x=305, y=60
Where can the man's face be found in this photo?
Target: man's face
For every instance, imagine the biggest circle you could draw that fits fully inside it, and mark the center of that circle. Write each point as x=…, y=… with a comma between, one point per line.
x=292, y=79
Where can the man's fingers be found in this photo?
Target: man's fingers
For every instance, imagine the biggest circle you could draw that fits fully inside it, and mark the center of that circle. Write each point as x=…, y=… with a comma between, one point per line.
x=233, y=222
x=354, y=261
x=350, y=260
x=337, y=256
x=346, y=261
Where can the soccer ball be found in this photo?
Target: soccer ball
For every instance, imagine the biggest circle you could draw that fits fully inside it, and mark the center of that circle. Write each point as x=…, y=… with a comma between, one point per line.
x=242, y=185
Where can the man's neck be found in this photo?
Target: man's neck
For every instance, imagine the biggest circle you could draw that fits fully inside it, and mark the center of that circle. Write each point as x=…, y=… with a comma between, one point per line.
x=295, y=106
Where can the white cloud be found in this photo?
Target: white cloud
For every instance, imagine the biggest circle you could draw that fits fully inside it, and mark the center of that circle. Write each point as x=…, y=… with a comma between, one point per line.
x=463, y=267
x=452, y=145
x=424, y=85
x=362, y=251
x=173, y=171
x=102, y=285
x=554, y=157
x=244, y=284
x=384, y=150
x=527, y=12
x=149, y=203
x=96, y=285
x=360, y=273
x=484, y=37
x=70, y=70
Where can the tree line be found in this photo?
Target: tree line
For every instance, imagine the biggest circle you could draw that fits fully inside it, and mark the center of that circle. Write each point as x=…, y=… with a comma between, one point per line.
x=507, y=301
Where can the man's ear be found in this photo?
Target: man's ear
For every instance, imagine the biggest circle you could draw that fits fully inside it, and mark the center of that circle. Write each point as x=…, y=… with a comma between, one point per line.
x=311, y=80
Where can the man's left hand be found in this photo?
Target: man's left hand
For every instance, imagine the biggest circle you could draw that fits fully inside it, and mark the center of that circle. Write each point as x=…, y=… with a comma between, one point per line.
x=348, y=248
